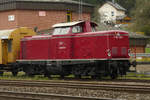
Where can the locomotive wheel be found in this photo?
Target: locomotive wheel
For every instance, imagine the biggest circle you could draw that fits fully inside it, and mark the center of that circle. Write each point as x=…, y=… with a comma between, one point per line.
x=14, y=73
x=78, y=76
x=1, y=73
x=95, y=77
x=29, y=74
x=47, y=75
x=114, y=74
x=62, y=76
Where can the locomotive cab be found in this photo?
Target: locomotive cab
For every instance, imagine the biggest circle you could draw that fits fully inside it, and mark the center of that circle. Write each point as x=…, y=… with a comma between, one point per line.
x=74, y=27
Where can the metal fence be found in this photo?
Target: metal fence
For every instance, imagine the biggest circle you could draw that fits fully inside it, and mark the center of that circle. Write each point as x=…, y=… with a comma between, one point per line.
x=140, y=55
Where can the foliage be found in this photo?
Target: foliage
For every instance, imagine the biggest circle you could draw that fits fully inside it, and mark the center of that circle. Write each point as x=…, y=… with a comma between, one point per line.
x=127, y=4
x=147, y=50
x=141, y=17
x=138, y=9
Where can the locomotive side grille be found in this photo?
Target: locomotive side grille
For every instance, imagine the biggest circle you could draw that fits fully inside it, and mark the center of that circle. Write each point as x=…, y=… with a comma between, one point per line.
x=114, y=51
x=123, y=51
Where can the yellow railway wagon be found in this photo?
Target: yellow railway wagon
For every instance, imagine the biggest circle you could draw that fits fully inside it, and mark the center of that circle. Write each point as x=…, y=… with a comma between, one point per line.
x=10, y=44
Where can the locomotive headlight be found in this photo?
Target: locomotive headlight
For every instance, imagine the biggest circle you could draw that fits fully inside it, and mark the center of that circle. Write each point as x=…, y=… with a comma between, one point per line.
x=109, y=52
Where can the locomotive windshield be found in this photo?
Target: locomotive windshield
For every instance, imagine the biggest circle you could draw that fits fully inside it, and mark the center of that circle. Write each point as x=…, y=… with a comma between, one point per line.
x=61, y=30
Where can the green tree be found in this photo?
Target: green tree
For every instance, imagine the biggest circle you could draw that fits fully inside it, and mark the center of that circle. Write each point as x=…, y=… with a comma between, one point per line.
x=127, y=4
x=141, y=16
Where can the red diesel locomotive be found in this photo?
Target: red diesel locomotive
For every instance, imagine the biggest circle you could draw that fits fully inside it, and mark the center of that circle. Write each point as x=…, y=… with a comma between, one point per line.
x=76, y=48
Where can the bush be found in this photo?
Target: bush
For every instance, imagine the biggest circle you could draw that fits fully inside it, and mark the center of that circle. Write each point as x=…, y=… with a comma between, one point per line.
x=146, y=29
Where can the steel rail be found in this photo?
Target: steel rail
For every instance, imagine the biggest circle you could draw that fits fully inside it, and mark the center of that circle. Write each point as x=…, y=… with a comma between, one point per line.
x=80, y=85
x=43, y=96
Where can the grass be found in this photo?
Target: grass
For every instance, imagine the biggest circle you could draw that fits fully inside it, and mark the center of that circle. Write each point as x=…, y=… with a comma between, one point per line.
x=141, y=76
x=147, y=50
x=135, y=77
x=21, y=76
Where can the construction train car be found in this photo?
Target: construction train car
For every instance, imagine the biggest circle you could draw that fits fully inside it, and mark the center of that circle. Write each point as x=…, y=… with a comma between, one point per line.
x=10, y=47
x=76, y=48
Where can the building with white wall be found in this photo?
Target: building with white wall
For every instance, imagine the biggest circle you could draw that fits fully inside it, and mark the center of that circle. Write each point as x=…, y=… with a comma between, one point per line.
x=110, y=12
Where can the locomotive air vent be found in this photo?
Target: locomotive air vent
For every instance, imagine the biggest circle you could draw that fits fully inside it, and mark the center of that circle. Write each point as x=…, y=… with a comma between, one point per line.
x=114, y=51
x=123, y=51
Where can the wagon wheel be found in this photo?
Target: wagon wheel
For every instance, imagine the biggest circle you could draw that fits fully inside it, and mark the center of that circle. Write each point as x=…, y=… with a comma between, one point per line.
x=1, y=73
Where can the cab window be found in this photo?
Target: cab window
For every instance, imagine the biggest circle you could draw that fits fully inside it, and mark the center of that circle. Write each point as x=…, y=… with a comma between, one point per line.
x=93, y=29
x=61, y=31
x=9, y=45
x=77, y=29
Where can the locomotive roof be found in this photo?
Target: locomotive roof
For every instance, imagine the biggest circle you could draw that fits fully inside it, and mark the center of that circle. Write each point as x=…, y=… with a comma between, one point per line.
x=4, y=34
x=11, y=33
x=66, y=24
x=106, y=32
x=70, y=24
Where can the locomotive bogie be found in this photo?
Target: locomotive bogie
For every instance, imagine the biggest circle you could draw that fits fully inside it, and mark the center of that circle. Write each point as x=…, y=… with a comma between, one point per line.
x=94, y=68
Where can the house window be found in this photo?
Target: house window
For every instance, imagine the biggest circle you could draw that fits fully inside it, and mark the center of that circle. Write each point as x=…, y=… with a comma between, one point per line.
x=42, y=13
x=69, y=16
x=11, y=17
x=112, y=13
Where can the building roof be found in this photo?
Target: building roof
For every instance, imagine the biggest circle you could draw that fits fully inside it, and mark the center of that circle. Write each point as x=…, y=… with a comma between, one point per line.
x=58, y=1
x=43, y=5
x=117, y=6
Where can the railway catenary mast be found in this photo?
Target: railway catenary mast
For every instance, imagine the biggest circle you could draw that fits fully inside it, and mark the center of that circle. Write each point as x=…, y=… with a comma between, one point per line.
x=80, y=10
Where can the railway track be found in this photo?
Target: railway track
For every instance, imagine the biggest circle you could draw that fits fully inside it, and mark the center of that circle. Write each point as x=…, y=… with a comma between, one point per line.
x=42, y=96
x=128, y=87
